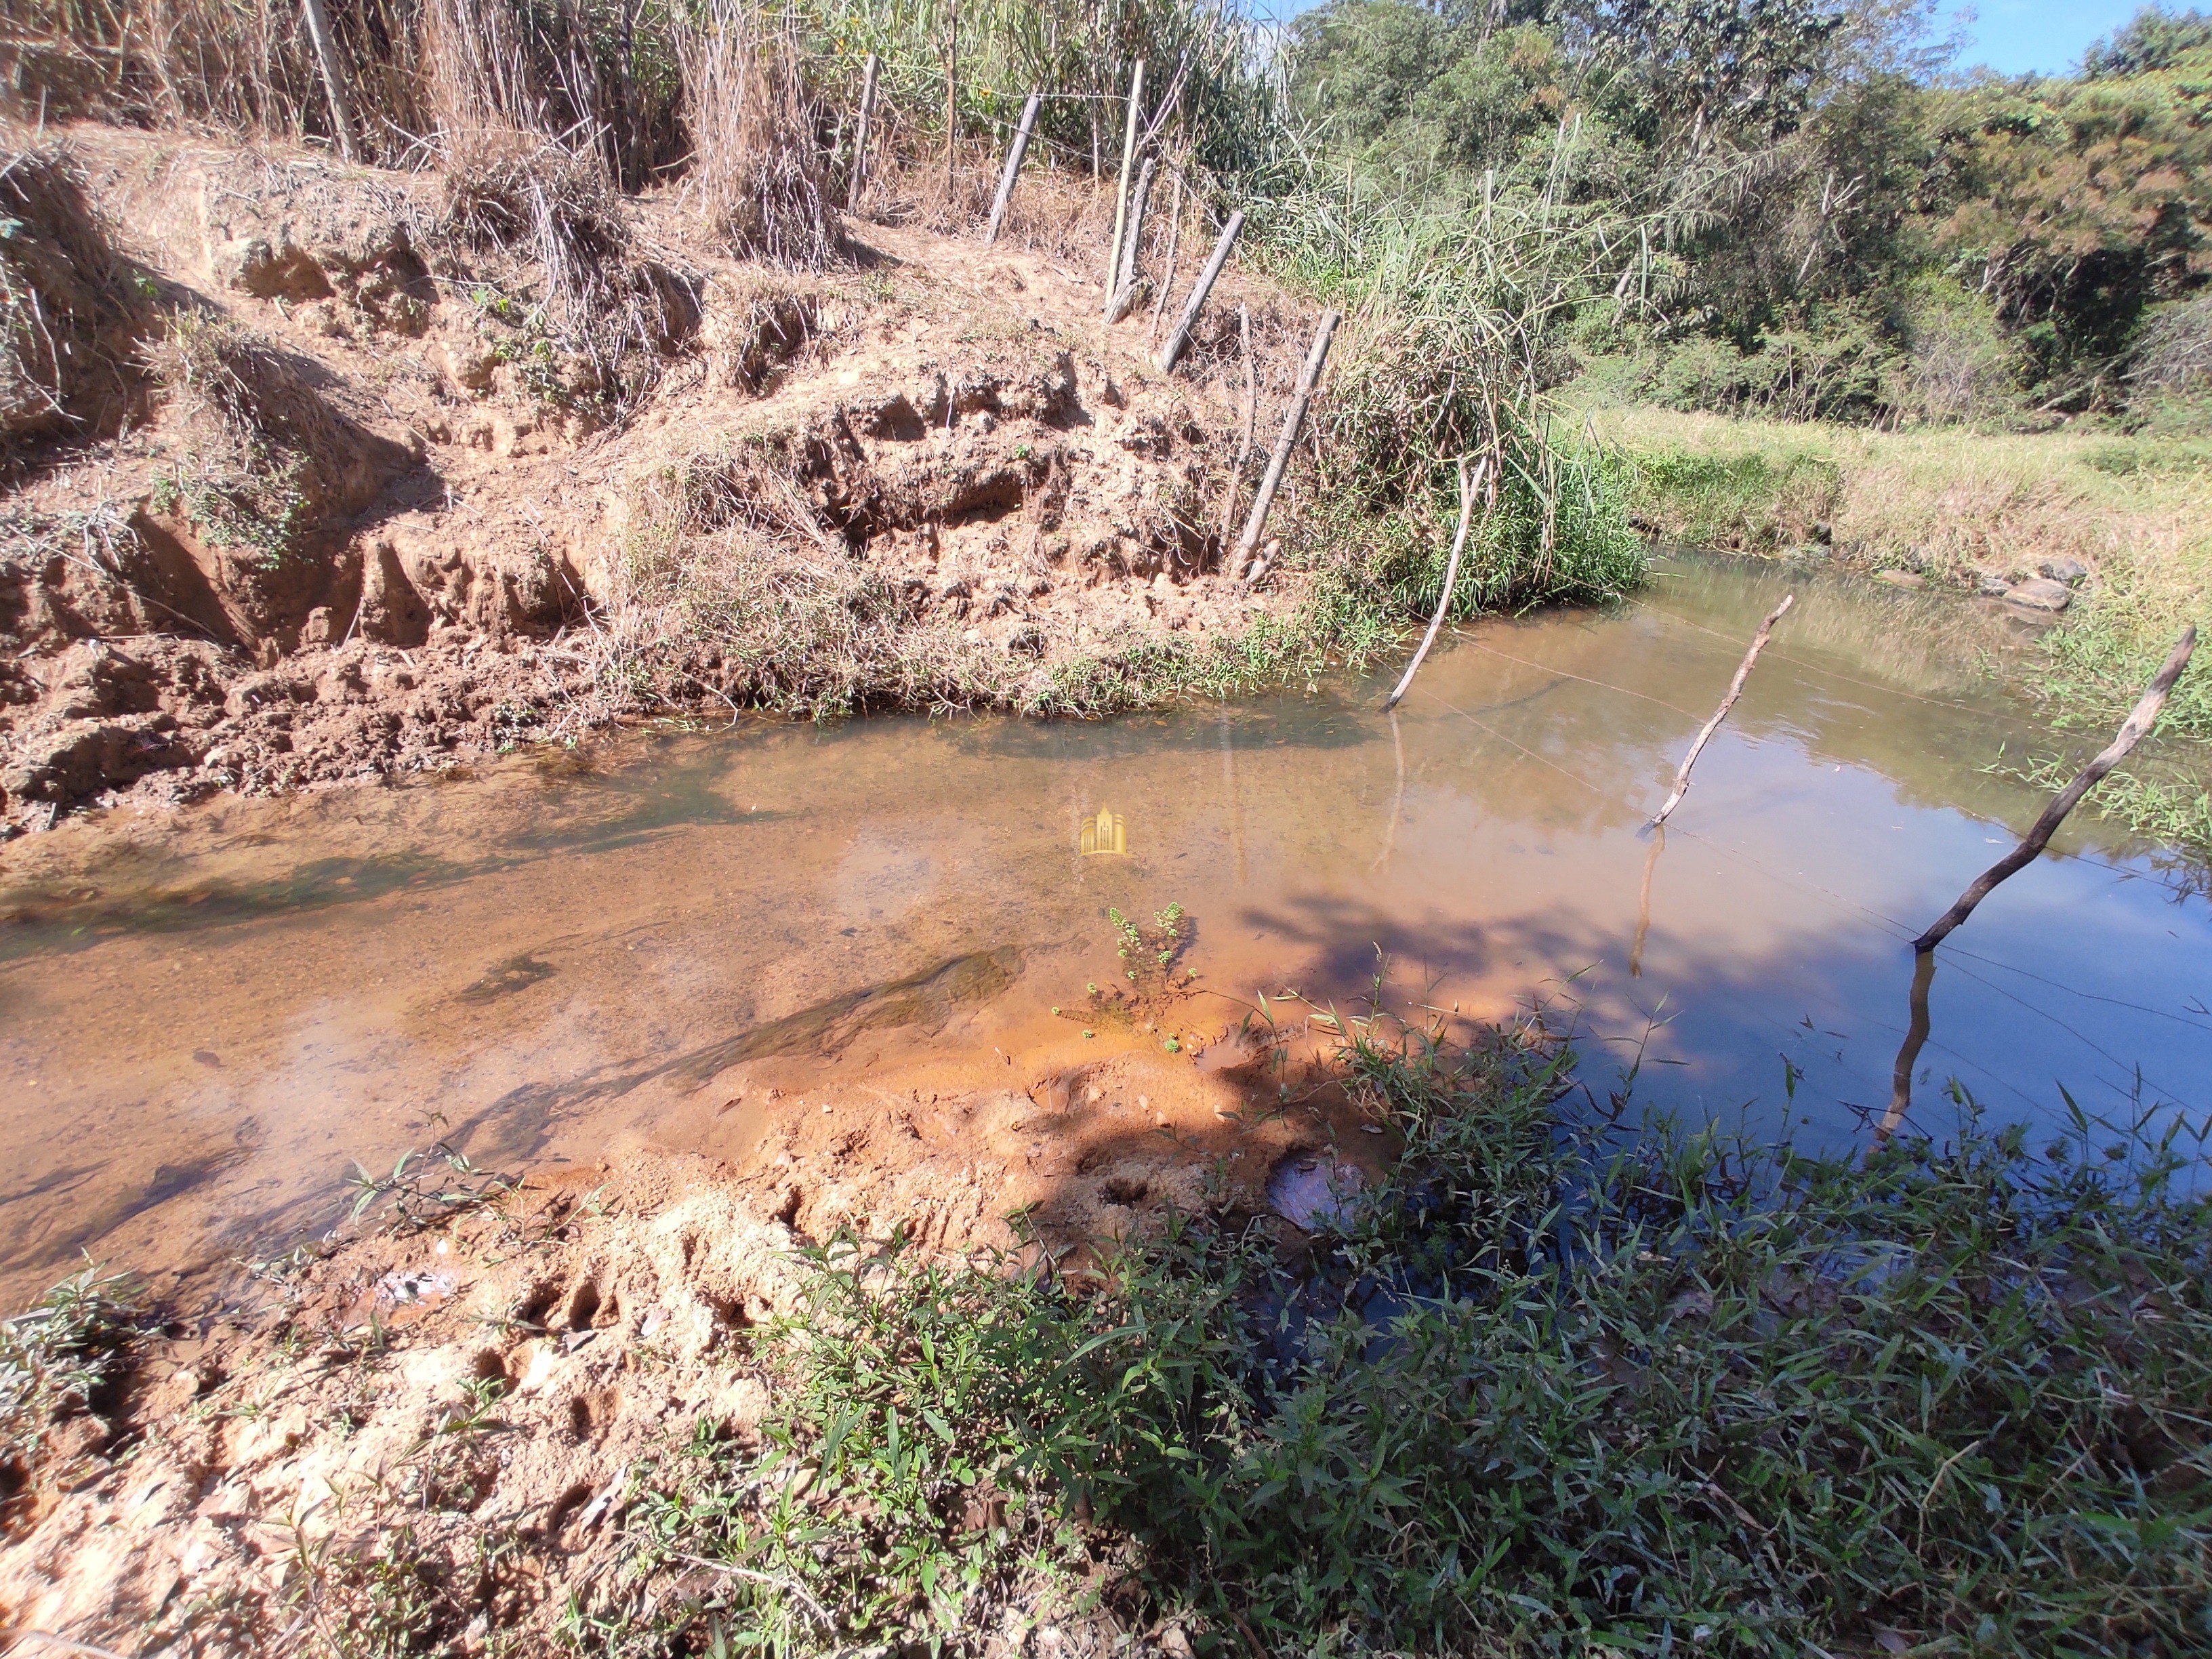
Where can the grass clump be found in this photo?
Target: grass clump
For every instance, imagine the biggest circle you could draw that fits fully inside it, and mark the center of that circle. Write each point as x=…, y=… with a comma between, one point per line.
x=1541, y=1390
x=57, y=1362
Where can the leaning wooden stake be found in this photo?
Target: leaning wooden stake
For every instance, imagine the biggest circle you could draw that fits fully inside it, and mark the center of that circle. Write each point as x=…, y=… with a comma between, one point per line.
x=1470, y=485
x=1006, y=195
x=1271, y=480
x=1167, y=278
x=860, y=134
x=1125, y=275
x=327, y=58
x=1735, y=690
x=1244, y=436
x=1121, y=190
x=2133, y=730
x=1200, y=289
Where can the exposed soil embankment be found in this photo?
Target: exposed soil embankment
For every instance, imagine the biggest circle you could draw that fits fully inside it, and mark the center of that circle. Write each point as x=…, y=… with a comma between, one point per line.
x=436, y=1430
x=362, y=481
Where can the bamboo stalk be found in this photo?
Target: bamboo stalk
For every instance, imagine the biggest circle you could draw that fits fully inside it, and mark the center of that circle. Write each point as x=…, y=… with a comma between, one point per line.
x=1125, y=275
x=327, y=58
x=1200, y=289
x=2133, y=730
x=1121, y=190
x=1735, y=690
x=1021, y=148
x=1271, y=480
x=1470, y=486
x=1175, y=244
x=860, y=135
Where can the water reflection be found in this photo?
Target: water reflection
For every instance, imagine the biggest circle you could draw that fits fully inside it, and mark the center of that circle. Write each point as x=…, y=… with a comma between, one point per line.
x=206, y=1021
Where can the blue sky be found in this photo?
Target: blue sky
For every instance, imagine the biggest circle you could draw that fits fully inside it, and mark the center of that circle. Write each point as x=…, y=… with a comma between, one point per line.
x=2011, y=36
x=2048, y=36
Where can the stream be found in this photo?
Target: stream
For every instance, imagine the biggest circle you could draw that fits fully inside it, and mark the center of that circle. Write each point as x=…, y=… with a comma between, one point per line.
x=205, y=1020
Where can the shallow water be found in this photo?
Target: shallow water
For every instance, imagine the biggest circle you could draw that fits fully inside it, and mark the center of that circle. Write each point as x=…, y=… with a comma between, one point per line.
x=205, y=1022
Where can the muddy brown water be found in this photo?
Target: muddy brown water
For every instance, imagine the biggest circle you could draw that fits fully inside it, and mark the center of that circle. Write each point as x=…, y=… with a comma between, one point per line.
x=205, y=1021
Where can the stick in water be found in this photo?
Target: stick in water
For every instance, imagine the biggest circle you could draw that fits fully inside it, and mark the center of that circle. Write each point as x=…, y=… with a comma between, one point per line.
x=1013, y=167
x=2133, y=730
x=1271, y=480
x=1908, y=1055
x=1469, y=487
x=1166, y=361
x=1735, y=690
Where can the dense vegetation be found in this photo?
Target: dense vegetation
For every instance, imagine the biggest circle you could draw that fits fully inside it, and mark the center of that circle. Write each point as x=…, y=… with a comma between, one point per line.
x=1544, y=1390
x=1873, y=238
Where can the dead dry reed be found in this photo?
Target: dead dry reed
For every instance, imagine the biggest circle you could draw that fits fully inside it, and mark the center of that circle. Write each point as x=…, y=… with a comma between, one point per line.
x=757, y=177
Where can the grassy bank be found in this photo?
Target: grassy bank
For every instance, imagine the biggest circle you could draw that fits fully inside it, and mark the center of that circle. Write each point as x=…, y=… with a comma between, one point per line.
x=1537, y=1391
x=1948, y=504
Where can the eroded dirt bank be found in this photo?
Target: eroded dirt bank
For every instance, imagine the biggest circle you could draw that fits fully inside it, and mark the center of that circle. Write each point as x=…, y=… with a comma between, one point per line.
x=432, y=1430
x=372, y=477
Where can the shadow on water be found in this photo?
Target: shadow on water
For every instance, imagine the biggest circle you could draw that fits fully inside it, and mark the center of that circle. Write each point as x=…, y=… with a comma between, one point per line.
x=528, y=964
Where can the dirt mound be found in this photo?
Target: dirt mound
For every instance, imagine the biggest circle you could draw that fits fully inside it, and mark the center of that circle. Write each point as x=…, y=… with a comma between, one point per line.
x=69, y=304
x=480, y=461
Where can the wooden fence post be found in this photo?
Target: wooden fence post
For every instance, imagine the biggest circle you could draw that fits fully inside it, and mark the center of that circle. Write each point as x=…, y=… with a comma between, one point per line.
x=1121, y=192
x=860, y=137
x=1248, y=543
x=1013, y=167
x=1204, y=286
x=1174, y=245
x=1244, y=437
x=951, y=105
x=326, y=56
x=1125, y=275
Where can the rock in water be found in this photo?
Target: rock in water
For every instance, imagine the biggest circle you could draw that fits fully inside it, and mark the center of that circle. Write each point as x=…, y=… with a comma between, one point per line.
x=2040, y=594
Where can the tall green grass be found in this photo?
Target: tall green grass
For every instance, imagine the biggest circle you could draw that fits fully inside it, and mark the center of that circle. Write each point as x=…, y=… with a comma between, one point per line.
x=1542, y=1391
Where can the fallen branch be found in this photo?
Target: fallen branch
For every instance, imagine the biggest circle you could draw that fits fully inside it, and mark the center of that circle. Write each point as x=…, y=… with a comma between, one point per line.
x=1735, y=690
x=1469, y=487
x=2133, y=730
x=1301, y=398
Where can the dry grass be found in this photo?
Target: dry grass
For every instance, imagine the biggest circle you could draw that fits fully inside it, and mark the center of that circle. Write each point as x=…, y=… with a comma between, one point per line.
x=756, y=175
x=1940, y=499
x=2137, y=510
x=69, y=304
